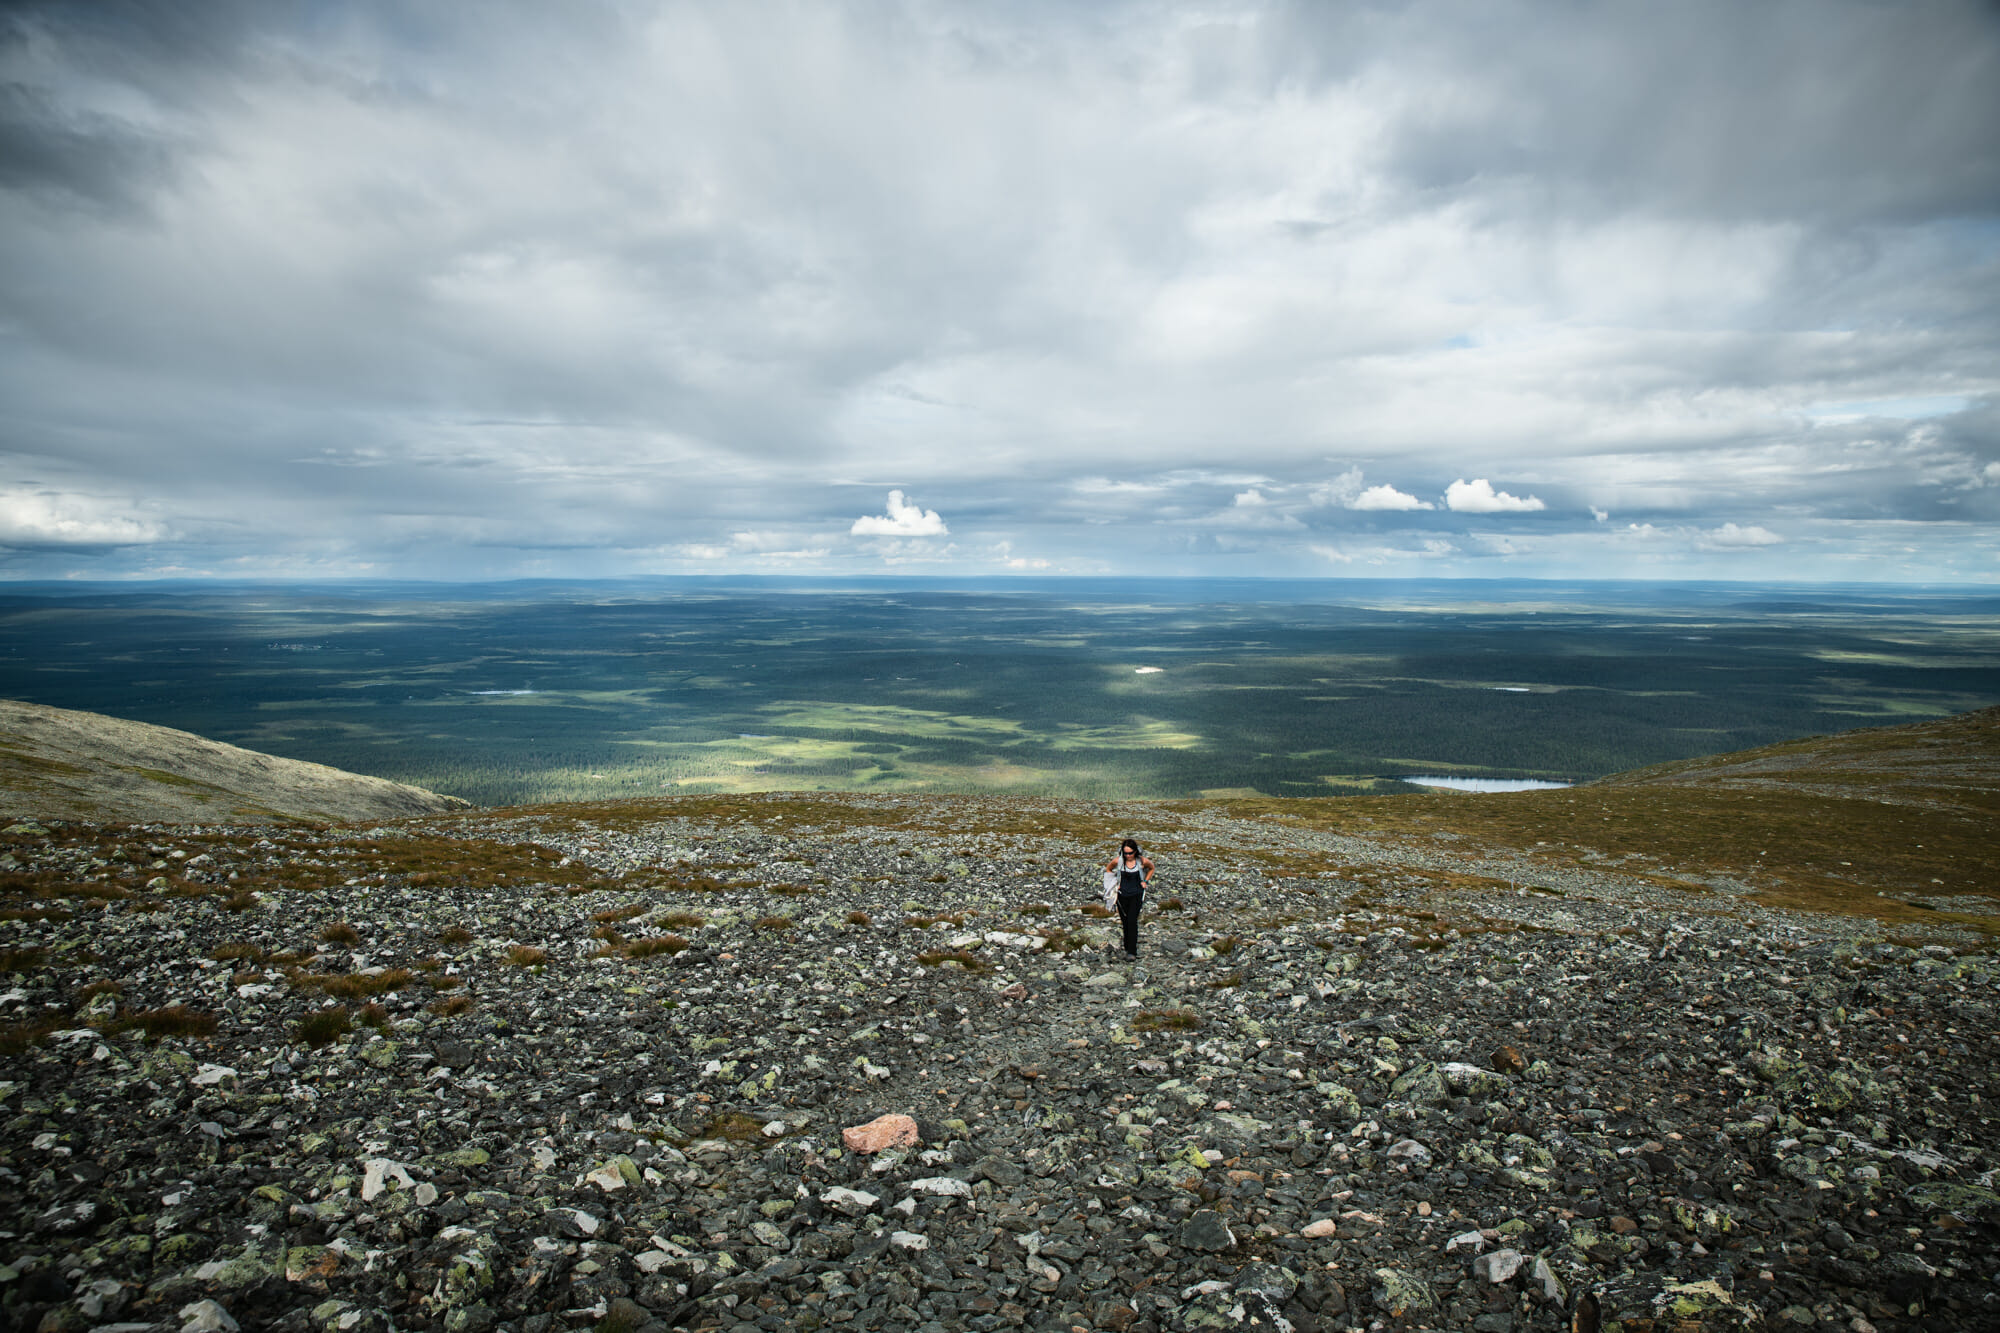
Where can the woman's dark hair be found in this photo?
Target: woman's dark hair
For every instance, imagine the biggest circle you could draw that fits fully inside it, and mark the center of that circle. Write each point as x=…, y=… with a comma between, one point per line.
x=1133, y=843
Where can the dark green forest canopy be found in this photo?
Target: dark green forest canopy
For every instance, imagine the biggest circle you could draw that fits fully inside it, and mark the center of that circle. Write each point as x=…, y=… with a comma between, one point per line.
x=505, y=693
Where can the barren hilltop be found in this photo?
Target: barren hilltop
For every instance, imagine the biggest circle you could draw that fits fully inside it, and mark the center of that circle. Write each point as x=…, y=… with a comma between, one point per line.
x=57, y=763
x=1703, y=1047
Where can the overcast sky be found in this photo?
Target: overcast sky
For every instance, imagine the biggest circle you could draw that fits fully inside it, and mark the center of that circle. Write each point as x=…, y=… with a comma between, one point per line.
x=1476, y=289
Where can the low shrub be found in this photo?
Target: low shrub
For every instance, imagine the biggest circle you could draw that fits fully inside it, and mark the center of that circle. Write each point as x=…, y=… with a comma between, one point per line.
x=176, y=1020
x=340, y=932
x=775, y=924
x=859, y=918
x=655, y=944
x=1164, y=1020
x=323, y=1027
x=17, y=1038
x=354, y=985
x=527, y=955
x=453, y=1006
x=625, y=913
x=939, y=957
x=454, y=935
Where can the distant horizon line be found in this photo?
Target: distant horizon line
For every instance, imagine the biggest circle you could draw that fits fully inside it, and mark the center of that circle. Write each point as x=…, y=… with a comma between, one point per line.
x=358, y=580
x=995, y=583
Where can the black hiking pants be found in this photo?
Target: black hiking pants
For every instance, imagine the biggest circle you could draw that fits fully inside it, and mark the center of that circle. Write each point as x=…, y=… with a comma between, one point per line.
x=1128, y=917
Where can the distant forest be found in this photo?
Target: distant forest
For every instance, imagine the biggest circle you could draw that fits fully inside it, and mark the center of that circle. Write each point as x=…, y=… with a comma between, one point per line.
x=526, y=692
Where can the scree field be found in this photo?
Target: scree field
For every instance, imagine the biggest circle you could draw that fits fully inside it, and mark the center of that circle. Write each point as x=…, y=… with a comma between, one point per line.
x=536, y=692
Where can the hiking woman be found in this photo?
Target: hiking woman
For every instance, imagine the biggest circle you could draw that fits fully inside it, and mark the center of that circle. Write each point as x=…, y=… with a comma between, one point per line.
x=1135, y=872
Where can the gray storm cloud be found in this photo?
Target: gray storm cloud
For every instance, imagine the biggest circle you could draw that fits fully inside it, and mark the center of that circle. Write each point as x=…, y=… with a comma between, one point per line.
x=603, y=288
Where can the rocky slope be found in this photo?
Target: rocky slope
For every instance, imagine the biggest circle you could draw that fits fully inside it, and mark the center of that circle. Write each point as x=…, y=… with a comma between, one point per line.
x=550, y=1068
x=57, y=763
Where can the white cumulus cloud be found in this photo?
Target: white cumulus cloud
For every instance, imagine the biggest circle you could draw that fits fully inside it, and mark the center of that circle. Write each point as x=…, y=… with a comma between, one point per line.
x=1479, y=497
x=46, y=518
x=902, y=520
x=1387, y=497
x=1730, y=537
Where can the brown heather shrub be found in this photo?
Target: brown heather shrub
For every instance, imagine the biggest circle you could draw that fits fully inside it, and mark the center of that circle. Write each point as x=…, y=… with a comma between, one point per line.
x=97, y=988
x=452, y=1006
x=655, y=944
x=1162, y=1020
x=791, y=890
x=1224, y=945
x=625, y=913
x=858, y=918
x=98, y=892
x=17, y=1038
x=323, y=1027
x=775, y=924
x=235, y=950
x=340, y=932
x=1172, y=905
x=22, y=960
x=374, y=1016
x=680, y=920
x=1097, y=910
x=175, y=1020
x=240, y=901
x=939, y=957
x=354, y=985
x=527, y=955
x=1035, y=909
x=34, y=914
x=454, y=935
x=1228, y=981
x=441, y=981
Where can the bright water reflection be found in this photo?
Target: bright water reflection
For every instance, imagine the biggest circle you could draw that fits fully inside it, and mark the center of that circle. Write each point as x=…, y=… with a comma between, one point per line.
x=1487, y=784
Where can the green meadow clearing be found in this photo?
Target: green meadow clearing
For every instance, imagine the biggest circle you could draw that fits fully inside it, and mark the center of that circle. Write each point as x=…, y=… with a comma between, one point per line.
x=533, y=692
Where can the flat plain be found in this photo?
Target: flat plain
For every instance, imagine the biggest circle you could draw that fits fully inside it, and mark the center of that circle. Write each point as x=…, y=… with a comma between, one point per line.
x=1103, y=690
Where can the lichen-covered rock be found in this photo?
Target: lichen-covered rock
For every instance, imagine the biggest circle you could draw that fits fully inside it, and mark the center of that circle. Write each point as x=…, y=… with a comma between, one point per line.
x=1218, y=1142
